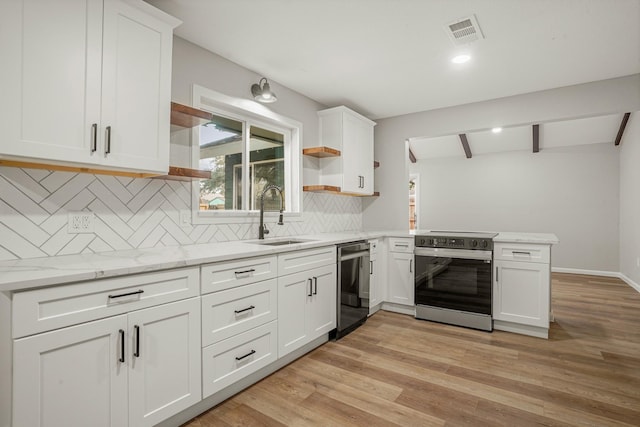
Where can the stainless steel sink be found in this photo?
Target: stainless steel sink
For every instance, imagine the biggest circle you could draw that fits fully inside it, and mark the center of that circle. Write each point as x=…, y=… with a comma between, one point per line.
x=282, y=242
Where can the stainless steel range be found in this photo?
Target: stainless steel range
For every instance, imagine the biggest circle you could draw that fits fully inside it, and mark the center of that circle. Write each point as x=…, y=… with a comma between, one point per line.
x=453, y=278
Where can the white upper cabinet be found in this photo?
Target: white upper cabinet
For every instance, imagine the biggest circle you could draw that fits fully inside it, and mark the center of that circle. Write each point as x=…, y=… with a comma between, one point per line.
x=86, y=83
x=351, y=133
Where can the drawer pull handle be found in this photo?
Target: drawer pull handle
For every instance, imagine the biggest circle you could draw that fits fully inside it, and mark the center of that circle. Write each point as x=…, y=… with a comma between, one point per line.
x=121, y=358
x=136, y=353
x=128, y=294
x=251, y=270
x=310, y=287
x=107, y=149
x=315, y=283
x=401, y=246
x=246, y=355
x=521, y=252
x=251, y=307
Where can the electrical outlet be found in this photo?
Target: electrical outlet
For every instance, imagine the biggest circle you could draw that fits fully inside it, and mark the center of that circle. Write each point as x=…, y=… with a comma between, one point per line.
x=80, y=222
x=185, y=218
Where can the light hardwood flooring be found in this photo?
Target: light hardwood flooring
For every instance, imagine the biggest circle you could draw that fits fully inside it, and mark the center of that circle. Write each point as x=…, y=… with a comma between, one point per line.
x=396, y=370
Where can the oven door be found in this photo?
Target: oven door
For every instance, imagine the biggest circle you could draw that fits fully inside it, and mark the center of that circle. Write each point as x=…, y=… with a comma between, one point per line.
x=457, y=279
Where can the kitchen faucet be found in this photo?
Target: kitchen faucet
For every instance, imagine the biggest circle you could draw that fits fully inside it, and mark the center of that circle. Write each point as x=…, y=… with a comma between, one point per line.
x=263, y=228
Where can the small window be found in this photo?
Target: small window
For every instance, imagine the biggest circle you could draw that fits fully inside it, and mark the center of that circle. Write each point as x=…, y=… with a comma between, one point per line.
x=245, y=153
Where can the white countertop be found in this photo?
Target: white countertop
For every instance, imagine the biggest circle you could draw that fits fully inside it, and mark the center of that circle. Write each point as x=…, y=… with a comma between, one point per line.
x=37, y=272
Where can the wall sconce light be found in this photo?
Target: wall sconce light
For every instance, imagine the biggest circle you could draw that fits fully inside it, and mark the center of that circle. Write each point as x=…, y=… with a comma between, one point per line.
x=262, y=92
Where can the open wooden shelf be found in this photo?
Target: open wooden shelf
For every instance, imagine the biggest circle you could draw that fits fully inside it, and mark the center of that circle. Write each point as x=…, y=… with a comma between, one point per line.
x=183, y=116
x=321, y=152
x=334, y=190
x=185, y=174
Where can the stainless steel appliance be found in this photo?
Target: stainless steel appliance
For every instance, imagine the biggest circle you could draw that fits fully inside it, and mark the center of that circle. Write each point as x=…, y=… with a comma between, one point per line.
x=453, y=278
x=353, y=282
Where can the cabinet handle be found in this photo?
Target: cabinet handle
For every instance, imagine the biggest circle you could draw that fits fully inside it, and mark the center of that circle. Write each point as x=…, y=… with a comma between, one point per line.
x=397, y=245
x=121, y=358
x=251, y=270
x=497, y=277
x=251, y=307
x=107, y=147
x=310, y=287
x=370, y=268
x=94, y=137
x=315, y=283
x=128, y=294
x=521, y=252
x=246, y=355
x=363, y=182
x=411, y=266
x=136, y=353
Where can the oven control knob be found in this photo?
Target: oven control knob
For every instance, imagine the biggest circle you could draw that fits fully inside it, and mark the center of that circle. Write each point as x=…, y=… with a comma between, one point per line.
x=422, y=241
x=474, y=243
x=484, y=243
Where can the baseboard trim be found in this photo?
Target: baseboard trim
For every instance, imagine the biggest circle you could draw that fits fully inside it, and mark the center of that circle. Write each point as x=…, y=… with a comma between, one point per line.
x=601, y=273
x=630, y=282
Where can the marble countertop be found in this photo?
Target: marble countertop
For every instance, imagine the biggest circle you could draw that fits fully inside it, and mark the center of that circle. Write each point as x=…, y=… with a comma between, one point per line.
x=38, y=272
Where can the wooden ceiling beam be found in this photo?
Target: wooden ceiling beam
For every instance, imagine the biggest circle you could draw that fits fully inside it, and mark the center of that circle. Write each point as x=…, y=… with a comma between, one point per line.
x=623, y=125
x=536, y=138
x=465, y=145
x=412, y=157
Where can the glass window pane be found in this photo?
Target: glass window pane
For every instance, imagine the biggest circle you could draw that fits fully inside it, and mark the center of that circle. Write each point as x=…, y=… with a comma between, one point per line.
x=221, y=147
x=266, y=150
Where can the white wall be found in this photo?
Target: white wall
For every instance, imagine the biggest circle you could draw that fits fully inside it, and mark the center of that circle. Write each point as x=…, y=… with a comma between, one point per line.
x=572, y=192
x=391, y=210
x=630, y=200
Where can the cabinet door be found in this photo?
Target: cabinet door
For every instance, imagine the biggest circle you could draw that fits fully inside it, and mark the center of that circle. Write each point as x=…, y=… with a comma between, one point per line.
x=400, y=278
x=521, y=293
x=357, y=156
x=50, y=78
x=165, y=374
x=72, y=377
x=322, y=310
x=374, y=280
x=295, y=292
x=136, y=82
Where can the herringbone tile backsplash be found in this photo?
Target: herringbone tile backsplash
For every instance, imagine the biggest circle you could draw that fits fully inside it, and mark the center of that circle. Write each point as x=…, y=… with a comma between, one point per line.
x=130, y=213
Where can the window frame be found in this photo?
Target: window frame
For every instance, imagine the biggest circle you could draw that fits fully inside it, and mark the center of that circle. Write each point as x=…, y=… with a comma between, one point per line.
x=250, y=113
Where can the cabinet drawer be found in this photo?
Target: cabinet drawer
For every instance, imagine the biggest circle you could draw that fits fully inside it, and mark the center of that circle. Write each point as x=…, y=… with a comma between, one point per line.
x=230, y=360
x=294, y=262
x=401, y=244
x=524, y=252
x=225, y=275
x=59, y=306
x=232, y=311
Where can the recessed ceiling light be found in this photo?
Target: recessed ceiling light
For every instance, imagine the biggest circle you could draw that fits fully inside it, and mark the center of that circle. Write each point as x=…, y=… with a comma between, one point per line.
x=460, y=59
x=496, y=130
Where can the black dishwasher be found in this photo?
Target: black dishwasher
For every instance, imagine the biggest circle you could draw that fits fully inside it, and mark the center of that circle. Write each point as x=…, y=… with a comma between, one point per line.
x=353, y=286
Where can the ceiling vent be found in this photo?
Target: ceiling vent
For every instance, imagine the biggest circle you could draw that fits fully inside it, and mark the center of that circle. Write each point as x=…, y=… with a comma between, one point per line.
x=465, y=30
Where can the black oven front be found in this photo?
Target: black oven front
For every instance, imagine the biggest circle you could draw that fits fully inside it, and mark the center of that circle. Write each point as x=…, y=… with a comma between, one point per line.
x=454, y=286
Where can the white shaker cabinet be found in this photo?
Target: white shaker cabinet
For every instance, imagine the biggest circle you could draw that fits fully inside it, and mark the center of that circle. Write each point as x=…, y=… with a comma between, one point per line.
x=400, y=274
x=86, y=83
x=307, y=299
x=521, y=288
x=72, y=376
x=351, y=133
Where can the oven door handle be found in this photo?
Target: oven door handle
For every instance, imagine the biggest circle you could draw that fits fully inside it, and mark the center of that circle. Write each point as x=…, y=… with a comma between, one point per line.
x=454, y=253
x=353, y=255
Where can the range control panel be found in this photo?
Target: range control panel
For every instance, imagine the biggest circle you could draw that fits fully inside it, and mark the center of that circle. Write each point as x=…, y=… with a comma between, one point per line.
x=454, y=242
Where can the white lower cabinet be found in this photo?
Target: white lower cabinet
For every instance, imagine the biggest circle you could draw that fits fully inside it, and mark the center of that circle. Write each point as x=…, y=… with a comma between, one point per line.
x=134, y=369
x=400, y=278
x=71, y=377
x=522, y=288
x=306, y=307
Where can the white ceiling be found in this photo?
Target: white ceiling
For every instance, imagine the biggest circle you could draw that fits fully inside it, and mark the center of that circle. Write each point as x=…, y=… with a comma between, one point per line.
x=386, y=58
x=593, y=130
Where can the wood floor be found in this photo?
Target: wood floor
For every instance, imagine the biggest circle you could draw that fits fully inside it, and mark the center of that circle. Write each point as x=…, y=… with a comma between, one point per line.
x=396, y=370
